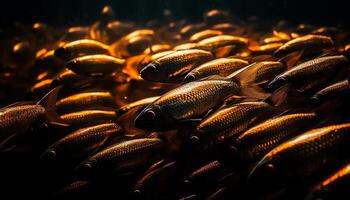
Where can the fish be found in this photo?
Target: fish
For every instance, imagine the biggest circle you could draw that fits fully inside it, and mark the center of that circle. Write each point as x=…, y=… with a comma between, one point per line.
x=132, y=44
x=304, y=156
x=331, y=92
x=204, y=34
x=308, y=43
x=205, y=174
x=122, y=157
x=333, y=186
x=254, y=143
x=229, y=121
x=216, y=16
x=173, y=67
x=27, y=115
x=266, y=70
x=188, y=101
x=265, y=49
x=85, y=100
x=82, y=141
x=90, y=117
x=157, y=48
x=219, y=41
x=96, y=65
x=222, y=67
x=309, y=74
x=80, y=48
x=155, y=179
x=69, y=78
x=136, y=104
x=41, y=86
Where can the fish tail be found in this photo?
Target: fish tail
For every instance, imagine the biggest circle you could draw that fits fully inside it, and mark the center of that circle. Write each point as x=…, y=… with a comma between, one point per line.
x=49, y=103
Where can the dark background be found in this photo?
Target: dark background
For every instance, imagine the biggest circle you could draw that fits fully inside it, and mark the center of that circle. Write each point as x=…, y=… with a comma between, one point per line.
x=72, y=12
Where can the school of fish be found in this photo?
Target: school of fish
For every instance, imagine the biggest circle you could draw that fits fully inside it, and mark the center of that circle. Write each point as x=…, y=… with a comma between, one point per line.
x=220, y=109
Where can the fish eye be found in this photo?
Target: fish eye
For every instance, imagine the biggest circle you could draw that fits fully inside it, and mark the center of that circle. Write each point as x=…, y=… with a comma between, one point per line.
x=190, y=77
x=149, y=114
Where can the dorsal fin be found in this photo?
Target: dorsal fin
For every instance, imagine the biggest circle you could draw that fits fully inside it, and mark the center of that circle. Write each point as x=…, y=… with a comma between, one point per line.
x=291, y=59
x=49, y=103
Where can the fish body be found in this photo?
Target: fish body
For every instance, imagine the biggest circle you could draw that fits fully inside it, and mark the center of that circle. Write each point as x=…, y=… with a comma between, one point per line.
x=332, y=187
x=222, y=67
x=310, y=74
x=86, y=99
x=89, y=117
x=96, y=65
x=260, y=139
x=308, y=43
x=334, y=91
x=82, y=141
x=173, y=67
x=230, y=121
x=188, y=101
x=80, y=48
x=123, y=156
x=310, y=153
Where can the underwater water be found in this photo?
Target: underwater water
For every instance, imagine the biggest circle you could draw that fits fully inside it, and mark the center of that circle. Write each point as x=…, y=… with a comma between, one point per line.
x=177, y=99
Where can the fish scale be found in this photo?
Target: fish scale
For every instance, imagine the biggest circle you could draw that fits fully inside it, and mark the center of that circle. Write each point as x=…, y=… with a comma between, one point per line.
x=227, y=122
x=310, y=152
x=260, y=139
x=126, y=150
x=200, y=98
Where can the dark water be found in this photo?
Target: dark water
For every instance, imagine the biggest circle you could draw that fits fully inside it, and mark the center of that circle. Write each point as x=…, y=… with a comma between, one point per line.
x=68, y=12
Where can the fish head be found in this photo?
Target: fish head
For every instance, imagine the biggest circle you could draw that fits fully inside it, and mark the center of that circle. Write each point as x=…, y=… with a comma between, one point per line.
x=152, y=72
x=278, y=82
x=152, y=118
x=86, y=168
x=73, y=65
x=280, y=52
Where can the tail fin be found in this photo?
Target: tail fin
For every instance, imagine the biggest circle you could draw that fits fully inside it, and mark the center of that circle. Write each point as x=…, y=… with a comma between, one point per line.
x=49, y=102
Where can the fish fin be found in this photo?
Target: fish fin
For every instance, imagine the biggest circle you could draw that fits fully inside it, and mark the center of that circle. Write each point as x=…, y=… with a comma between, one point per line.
x=234, y=99
x=279, y=96
x=213, y=77
x=246, y=75
x=291, y=59
x=49, y=103
x=254, y=91
x=253, y=43
x=260, y=58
